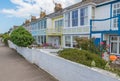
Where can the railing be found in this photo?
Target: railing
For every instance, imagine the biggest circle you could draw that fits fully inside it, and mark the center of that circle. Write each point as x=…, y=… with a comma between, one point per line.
x=108, y=24
x=77, y=30
x=54, y=31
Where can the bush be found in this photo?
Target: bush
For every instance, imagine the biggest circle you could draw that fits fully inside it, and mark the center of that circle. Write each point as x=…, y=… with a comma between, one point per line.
x=82, y=56
x=5, y=38
x=21, y=37
x=87, y=44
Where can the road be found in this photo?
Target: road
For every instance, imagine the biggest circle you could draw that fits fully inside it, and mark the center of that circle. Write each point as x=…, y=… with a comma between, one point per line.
x=14, y=67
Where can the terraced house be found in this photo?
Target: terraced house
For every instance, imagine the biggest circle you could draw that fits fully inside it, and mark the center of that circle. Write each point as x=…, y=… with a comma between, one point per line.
x=47, y=28
x=97, y=19
x=106, y=25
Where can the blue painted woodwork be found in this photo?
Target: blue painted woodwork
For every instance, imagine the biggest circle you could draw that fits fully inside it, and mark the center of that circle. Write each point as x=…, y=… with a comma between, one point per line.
x=97, y=41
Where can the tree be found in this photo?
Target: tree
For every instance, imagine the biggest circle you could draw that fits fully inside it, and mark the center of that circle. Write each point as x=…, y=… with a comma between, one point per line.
x=21, y=37
x=5, y=38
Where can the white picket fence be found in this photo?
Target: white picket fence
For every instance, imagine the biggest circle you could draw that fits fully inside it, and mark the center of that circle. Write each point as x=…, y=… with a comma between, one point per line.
x=60, y=68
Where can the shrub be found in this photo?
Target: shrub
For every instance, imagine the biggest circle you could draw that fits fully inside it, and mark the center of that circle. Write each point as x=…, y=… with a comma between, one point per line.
x=82, y=56
x=21, y=37
x=87, y=44
x=5, y=38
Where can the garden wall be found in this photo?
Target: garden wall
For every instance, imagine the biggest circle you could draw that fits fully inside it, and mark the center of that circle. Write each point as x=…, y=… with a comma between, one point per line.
x=60, y=68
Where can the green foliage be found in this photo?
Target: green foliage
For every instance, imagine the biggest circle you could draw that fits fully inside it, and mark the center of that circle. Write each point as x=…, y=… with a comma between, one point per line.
x=107, y=66
x=87, y=44
x=5, y=38
x=21, y=37
x=82, y=56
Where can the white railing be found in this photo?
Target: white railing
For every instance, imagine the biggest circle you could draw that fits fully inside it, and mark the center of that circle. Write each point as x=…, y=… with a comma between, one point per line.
x=61, y=69
x=77, y=30
x=54, y=31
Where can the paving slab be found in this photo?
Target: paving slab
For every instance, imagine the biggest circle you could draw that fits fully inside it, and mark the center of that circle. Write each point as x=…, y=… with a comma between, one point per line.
x=14, y=67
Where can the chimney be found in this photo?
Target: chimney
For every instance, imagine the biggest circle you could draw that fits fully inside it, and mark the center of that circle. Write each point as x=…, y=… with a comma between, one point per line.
x=42, y=14
x=33, y=18
x=58, y=7
x=27, y=21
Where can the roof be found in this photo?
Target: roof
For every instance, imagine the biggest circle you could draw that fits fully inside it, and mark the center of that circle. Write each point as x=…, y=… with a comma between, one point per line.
x=54, y=14
x=83, y=2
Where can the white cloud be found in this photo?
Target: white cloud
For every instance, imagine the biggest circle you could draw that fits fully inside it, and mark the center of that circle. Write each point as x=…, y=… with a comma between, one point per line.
x=25, y=8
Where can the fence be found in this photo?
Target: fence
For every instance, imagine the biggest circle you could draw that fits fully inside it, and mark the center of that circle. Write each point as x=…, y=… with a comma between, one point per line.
x=60, y=68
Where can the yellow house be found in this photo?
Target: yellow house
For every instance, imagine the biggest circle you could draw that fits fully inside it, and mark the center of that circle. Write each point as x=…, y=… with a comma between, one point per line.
x=55, y=27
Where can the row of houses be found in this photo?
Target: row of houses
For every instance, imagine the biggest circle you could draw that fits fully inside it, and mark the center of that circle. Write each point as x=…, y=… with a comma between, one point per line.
x=97, y=19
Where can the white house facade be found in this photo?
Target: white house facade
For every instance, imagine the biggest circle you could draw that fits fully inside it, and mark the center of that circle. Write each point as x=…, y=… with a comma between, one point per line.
x=106, y=25
x=97, y=19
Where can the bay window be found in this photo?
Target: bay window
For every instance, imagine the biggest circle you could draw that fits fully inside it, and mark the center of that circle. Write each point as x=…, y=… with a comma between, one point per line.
x=75, y=18
x=116, y=12
x=68, y=41
x=84, y=16
x=67, y=19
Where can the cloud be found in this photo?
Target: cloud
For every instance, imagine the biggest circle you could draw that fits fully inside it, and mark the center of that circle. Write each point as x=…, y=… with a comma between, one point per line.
x=25, y=8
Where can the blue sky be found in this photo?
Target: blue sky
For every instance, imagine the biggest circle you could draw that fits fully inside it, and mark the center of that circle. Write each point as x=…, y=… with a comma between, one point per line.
x=5, y=21
x=15, y=12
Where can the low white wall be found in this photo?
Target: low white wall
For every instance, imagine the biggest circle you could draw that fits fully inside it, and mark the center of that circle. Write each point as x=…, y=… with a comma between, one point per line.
x=60, y=68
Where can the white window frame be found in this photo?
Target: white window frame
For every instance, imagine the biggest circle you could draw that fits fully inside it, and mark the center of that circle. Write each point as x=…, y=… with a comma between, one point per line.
x=115, y=41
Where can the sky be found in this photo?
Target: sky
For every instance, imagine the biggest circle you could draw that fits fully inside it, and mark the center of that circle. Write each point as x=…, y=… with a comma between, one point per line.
x=15, y=12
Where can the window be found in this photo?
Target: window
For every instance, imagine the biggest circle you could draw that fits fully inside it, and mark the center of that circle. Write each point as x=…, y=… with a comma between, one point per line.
x=83, y=16
x=75, y=18
x=116, y=11
x=113, y=47
x=68, y=41
x=74, y=41
x=42, y=39
x=42, y=24
x=67, y=19
x=39, y=41
x=39, y=24
x=45, y=24
x=58, y=24
x=115, y=44
x=35, y=37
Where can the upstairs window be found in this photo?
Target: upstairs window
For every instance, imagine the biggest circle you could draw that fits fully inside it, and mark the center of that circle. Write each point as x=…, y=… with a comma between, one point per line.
x=42, y=24
x=75, y=18
x=59, y=24
x=83, y=16
x=67, y=19
x=116, y=12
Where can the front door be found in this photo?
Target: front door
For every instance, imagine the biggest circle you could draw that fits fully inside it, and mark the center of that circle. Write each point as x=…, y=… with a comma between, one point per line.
x=57, y=41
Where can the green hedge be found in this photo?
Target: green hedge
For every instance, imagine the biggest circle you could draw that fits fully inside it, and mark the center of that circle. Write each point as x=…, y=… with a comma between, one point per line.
x=82, y=57
x=21, y=37
x=5, y=38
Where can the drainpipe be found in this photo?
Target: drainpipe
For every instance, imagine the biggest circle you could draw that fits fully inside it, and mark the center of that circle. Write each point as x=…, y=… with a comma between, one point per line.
x=118, y=24
x=90, y=28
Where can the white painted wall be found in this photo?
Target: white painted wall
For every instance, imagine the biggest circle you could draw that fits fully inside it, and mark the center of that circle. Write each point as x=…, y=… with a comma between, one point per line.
x=60, y=68
x=49, y=23
x=102, y=12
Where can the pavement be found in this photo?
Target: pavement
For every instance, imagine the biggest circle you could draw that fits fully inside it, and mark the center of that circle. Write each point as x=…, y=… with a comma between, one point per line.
x=14, y=67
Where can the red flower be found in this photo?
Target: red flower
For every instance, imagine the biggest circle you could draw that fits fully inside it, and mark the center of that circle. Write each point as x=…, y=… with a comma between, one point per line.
x=101, y=43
